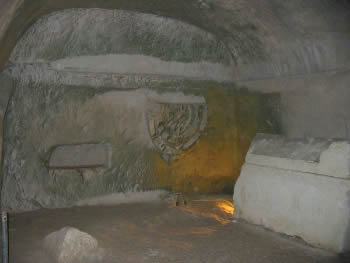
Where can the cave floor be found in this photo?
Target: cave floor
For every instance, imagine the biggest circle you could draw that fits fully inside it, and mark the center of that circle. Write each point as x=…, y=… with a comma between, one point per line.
x=201, y=231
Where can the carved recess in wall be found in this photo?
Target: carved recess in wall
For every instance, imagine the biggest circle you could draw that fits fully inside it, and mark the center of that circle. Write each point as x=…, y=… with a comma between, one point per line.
x=175, y=127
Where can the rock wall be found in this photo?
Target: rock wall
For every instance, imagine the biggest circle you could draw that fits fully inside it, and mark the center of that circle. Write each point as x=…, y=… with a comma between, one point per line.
x=320, y=109
x=269, y=41
x=145, y=71
x=7, y=14
x=187, y=152
x=312, y=106
x=147, y=106
x=101, y=32
x=6, y=88
x=1, y=139
x=51, y=116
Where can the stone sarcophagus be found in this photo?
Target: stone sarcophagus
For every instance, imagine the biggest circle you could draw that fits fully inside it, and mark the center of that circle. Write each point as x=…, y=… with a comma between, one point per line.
x=297, y=187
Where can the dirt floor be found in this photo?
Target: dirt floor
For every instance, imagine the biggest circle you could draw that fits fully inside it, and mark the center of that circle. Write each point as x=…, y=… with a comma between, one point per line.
x=202, y=231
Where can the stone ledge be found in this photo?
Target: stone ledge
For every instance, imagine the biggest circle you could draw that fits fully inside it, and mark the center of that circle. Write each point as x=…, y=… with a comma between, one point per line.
x=80, y=156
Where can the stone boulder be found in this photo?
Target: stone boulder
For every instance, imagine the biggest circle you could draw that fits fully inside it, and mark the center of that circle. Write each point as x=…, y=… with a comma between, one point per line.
x=70, y=245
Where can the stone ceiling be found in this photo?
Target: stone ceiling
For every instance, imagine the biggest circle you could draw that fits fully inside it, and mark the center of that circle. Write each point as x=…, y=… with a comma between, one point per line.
x=267, y=39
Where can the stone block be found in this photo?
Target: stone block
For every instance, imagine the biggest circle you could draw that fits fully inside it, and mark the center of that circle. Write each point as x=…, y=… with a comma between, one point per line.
x=315, y=156
x=80, y=156
x=299, y=188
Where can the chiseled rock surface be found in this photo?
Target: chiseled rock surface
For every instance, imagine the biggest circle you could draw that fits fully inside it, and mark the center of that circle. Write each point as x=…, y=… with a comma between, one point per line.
x=70, y=245
x=7, y=13
x=299, y=37
x=103, y=32
x=75, y=120
x=284, y=195
x=118, y=42
x=80, y=156
x=6, y=85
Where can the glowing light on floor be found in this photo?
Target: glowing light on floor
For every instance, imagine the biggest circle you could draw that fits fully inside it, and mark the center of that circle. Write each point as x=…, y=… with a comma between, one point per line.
x=219, y=209
x=226, y=207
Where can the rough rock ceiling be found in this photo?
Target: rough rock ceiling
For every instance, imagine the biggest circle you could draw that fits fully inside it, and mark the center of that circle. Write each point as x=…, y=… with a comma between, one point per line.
x=267, y=39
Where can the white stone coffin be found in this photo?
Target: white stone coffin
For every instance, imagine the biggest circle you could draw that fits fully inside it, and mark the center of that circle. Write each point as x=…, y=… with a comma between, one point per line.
x=297, y=187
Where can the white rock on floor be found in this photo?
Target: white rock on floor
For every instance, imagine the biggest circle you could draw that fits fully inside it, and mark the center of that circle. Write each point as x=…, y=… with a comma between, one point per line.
x=70, y=245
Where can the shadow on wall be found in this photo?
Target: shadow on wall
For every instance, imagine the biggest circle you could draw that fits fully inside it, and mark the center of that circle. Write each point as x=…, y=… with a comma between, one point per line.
x=345, y=256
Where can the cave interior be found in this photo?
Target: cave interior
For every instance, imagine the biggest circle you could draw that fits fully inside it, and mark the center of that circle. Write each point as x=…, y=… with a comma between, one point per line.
x=175, y=131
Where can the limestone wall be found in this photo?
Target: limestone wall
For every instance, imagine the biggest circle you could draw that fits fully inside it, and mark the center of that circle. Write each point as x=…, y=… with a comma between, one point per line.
x=98, y=62
x=6, y=88
x=1, y=139
x=320, y=109
x=169, y=116
x=203, y=157
x=312, y=106
x=8, y=10
x=269, y=41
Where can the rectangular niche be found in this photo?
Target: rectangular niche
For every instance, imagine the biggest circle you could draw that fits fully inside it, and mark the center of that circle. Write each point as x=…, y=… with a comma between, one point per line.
x=80, y=156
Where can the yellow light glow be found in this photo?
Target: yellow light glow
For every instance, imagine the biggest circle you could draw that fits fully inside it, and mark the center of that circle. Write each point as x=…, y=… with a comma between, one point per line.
x=220, y=210
x=226, y=207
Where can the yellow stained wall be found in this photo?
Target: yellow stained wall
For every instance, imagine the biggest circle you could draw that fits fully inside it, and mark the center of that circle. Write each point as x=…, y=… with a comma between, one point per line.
x=213, y=164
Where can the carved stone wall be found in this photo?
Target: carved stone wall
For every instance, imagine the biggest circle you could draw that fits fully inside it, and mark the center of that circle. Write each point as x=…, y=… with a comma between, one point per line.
x=175, y=127
x=157, y=90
